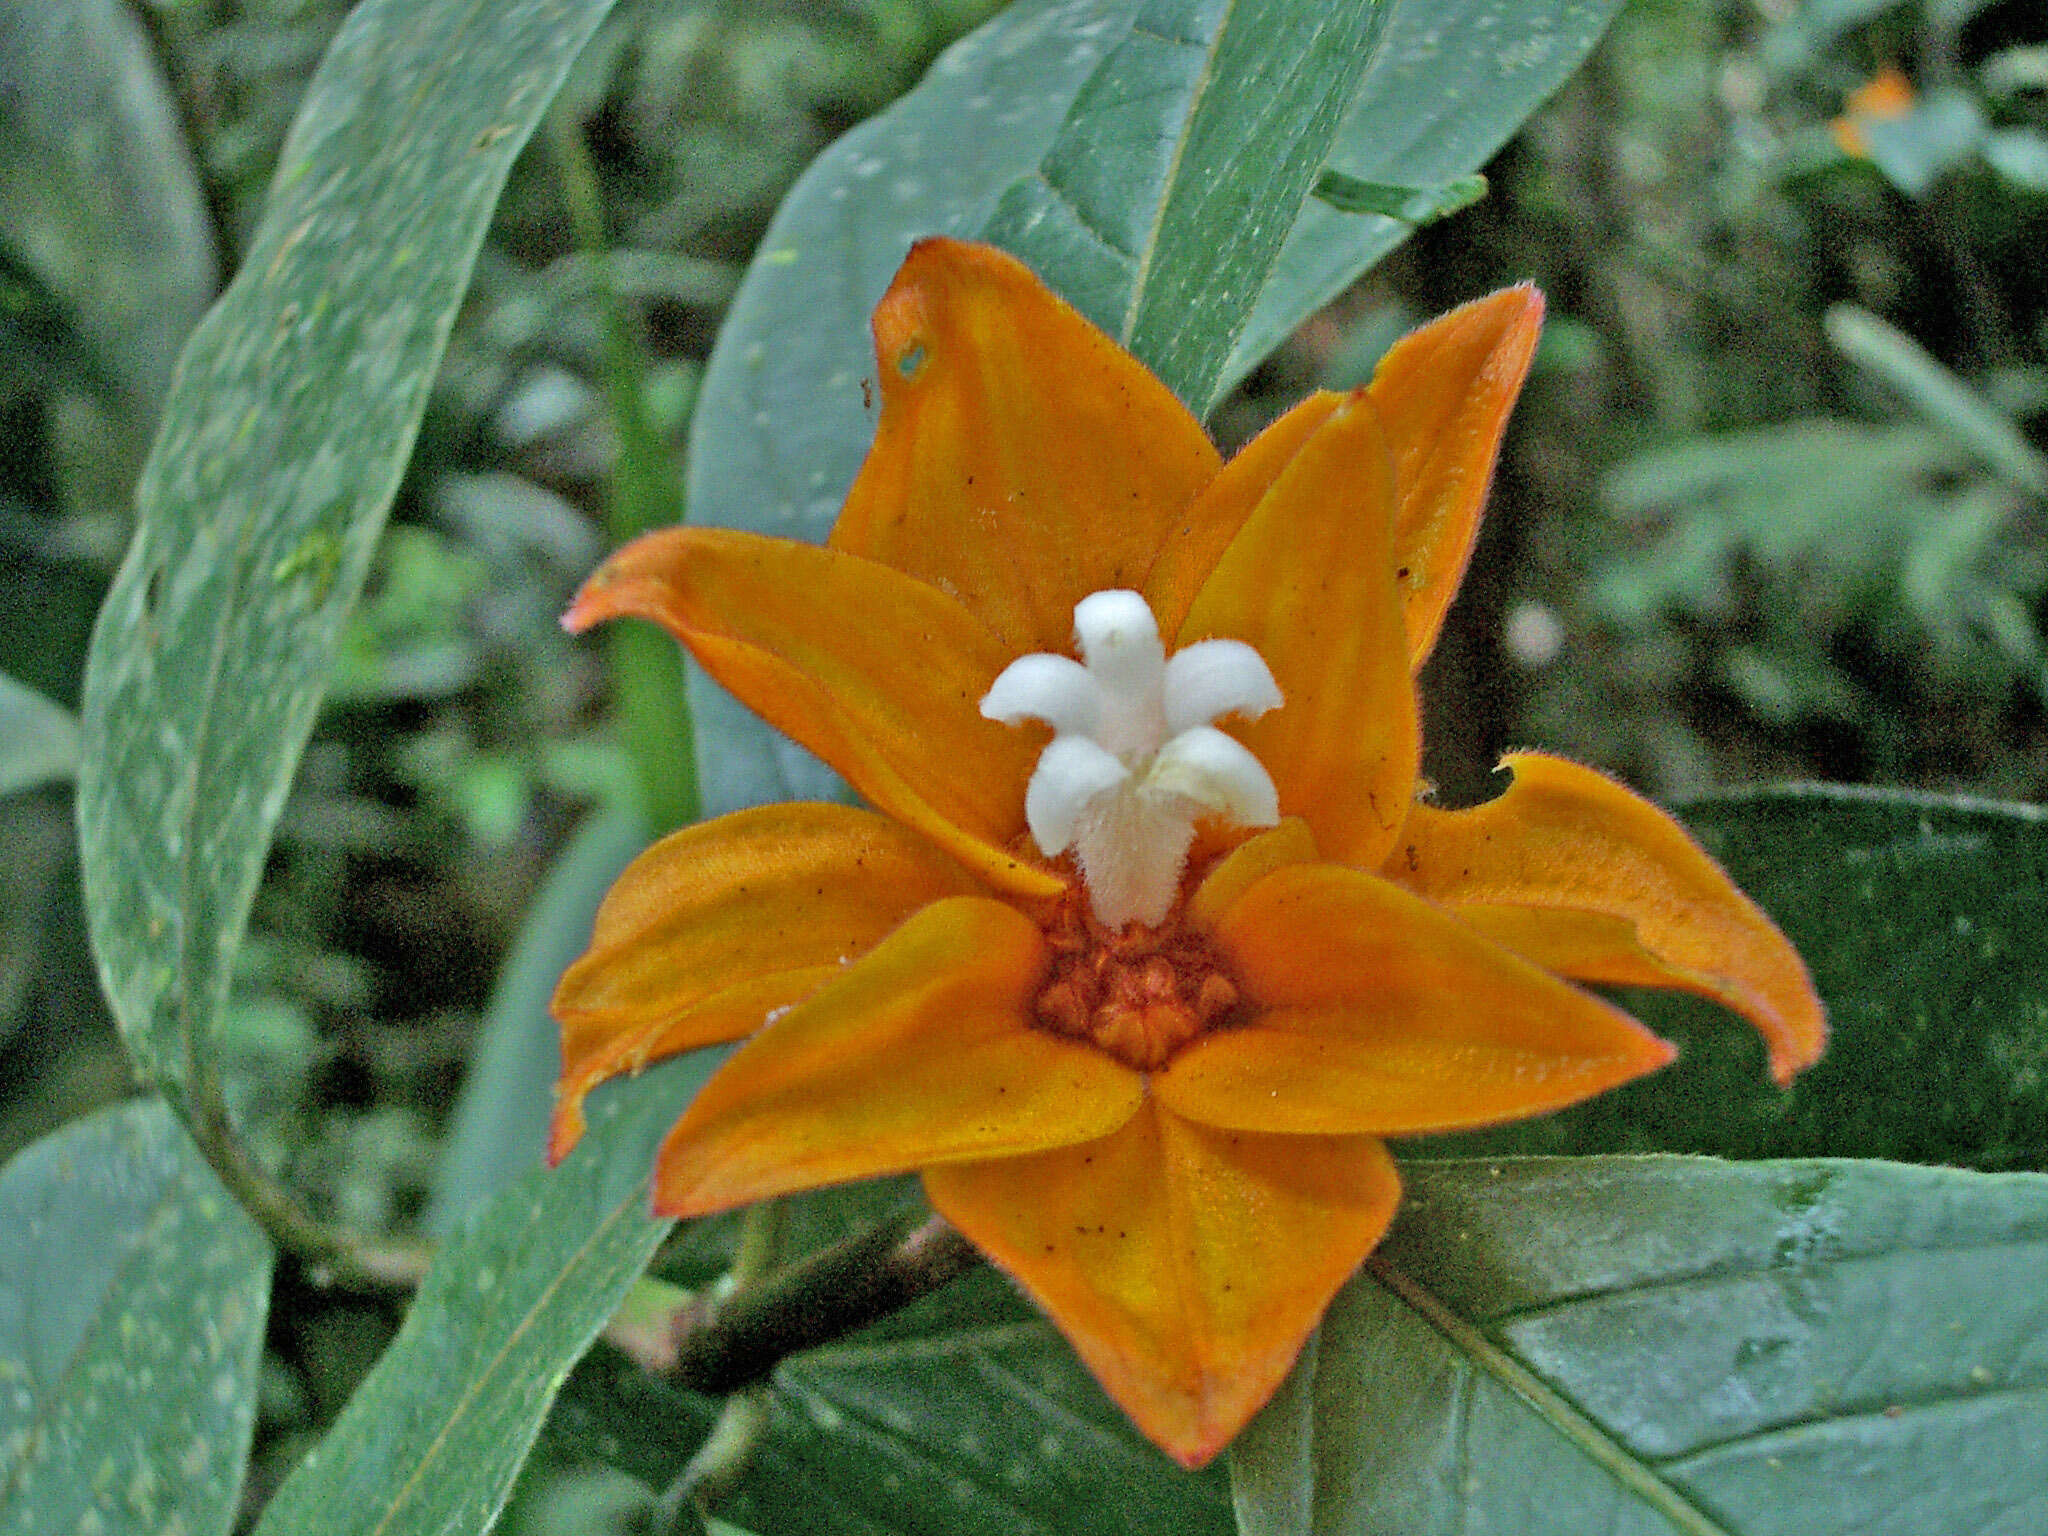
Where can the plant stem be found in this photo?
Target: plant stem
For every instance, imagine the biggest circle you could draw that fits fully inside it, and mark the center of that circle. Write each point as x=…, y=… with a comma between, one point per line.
x=645, y=491
x=333, y=1256
x=731, y=1343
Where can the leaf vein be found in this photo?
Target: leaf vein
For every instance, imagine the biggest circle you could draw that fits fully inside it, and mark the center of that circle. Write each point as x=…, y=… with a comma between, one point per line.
x=1564, y=1416
x=1150, y=248
x=1896, y=1409
x=460, y=1408
x=1704, y=1279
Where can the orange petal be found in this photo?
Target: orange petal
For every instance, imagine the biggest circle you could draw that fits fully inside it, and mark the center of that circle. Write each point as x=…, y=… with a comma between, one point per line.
x=1444, y=393
x=880, y=675
x=1378, y=1014
x=1309, y=583
x=718, y=924
x=921, y=1053
x=1887, y=96
x=1186, y=1265
x=1246, y=865
x=1567, y=840
x=1587, y=946
x=1199, y=539
x=1023, y=460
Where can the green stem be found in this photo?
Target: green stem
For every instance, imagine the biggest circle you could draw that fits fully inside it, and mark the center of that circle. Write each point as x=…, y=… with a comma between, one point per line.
x=644, y=492
x=332, y=1255
x=730, y=1344
x=737, y=1340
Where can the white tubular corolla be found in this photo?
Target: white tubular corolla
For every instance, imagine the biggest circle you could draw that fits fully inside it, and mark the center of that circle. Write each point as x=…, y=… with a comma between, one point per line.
x=1134, y=759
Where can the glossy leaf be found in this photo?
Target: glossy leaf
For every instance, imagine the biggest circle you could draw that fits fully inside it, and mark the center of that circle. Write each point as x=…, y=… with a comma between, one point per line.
x=782, y=421
x=781, y=425
x=433, y=1439
x=1449, y=83
x=1162, y=203
x=280, y=448
x=1924, y=920
x=132, y=1300
x=963, y=1416
x=1676, y=1345
x=1411, y=205
x=38, y=739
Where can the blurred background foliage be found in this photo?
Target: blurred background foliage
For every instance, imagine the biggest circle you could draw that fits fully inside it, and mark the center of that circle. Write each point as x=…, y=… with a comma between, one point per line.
x=1773, y=506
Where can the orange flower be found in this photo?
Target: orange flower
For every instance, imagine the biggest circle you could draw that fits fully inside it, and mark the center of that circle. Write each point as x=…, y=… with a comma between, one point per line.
x=1138, y=958
x=1885, y=97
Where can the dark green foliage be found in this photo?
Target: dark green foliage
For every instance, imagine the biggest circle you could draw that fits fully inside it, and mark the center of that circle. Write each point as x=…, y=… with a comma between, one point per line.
x=1773, y=508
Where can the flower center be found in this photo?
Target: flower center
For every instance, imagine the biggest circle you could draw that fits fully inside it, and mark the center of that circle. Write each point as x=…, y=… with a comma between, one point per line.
x=1134, y=760
x=1138, y=993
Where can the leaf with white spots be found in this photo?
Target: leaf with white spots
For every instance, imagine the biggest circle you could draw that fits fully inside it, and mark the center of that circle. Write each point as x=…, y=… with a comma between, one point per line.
x=279, y=450
x=431, y=1443
x=1161, y=206
x=132, y=1300
x=1450, y=83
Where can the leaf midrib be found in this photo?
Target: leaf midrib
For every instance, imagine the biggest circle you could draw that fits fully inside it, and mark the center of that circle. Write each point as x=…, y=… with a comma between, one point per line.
x=1564, y=1417
x=460, y=1409
x=1149, y=247
x=140, y=1252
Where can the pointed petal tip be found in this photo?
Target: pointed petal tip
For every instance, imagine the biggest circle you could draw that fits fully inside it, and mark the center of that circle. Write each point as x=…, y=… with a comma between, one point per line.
x=1657, y=1053
x=580, y=615
x=627, y=581
x=688, y=1184
x=1793, y=1047
x=1513, y=308
x=1195, y=1447
x=1567, y=842
x=565, y=1127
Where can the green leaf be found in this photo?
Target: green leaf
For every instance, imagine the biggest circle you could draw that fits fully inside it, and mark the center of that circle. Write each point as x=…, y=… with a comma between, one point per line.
x=967, y=1414
x=38, y=739
x=132, y=1301
x=1163, y=202
x=103, y=201
x=1950, y=405
x=500, y=1126
x=1452, y=80
x=1269, y=1489
x=1924, y=920
x=1411, y=205
x=280, y=449
x=781, y=425
x=432, y=1440
x=1675, y=1345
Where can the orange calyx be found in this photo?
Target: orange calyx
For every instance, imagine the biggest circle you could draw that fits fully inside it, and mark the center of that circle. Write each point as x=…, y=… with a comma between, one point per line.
x=1140, y=994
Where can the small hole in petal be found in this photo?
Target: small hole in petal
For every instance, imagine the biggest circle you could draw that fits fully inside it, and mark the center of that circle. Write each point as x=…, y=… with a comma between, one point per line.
x=910, y=361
